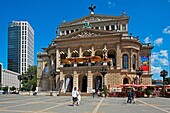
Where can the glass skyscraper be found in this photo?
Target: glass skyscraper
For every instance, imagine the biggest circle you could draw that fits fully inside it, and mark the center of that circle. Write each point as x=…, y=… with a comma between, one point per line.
x=20, y=46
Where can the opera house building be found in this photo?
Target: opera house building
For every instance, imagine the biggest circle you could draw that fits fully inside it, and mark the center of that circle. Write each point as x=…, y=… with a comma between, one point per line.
x=93, y=51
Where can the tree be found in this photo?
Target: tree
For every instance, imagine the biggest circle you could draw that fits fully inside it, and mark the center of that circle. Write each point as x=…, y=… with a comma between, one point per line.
x=30, y=79
x=167, y=80
x=12, y=88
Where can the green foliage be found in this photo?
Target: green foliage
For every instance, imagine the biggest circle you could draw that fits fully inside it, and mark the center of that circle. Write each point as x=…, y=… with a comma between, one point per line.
x=168, y=90
x=152, y=88
x=5, y=88
x=105, y=90
x=12, y=88
x=167, y=80
x=148, y=91
x=27, y=82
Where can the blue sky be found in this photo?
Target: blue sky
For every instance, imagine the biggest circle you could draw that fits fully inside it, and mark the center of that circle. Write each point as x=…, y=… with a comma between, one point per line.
x=149, y=19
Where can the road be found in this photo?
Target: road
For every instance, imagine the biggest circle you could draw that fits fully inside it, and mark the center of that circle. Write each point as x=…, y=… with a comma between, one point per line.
x=63, y=104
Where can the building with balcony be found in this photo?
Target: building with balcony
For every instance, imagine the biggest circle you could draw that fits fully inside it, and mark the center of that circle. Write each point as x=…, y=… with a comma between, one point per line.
x=84, y=46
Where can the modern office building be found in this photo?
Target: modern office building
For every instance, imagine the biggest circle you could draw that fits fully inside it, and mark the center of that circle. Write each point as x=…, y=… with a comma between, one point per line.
x=93, y=51
x=8, y=78
x=20, y=46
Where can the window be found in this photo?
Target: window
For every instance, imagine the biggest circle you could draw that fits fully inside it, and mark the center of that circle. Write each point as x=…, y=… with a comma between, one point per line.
x=123, y=27
x=134, y=62
x=125, y=61
x=112, y=27
x=96, y=27
x=107, y=27
x=67, y=32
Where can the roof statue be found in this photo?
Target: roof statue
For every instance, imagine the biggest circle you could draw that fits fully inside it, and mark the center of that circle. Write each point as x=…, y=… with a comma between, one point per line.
x=63, y=21
x=123, y=13
x=91, y=8
x=87, y=25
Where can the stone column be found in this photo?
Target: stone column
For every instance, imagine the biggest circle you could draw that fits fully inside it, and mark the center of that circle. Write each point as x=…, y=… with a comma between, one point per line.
x=89, y=82
x=68, y=55
x=80, y=52
x=118, y=57
x=75, y=79
x=57, y=59
x=93, y=52
x=126, y=27
x=138, y=60
x=149, y=57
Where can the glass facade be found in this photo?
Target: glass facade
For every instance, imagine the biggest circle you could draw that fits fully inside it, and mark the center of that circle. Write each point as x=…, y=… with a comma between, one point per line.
x=20, y=46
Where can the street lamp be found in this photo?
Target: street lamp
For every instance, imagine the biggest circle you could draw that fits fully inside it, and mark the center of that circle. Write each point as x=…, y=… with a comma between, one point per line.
x=19, y=78
x=75, y=55
x=53, y=74
x=103, y=71
x=31, y=76
x=163, y=74
x=139, y=72
x=104, y=55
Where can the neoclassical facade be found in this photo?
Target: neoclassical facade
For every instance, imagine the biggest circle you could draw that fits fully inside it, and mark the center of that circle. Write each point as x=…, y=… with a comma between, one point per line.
x=84, y=46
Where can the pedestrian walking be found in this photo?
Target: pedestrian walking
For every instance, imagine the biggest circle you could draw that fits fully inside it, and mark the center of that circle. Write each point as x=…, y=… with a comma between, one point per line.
x=129, y=97
x=133, y=96
x=93, y=92
x=74, y=96
x=79, y=96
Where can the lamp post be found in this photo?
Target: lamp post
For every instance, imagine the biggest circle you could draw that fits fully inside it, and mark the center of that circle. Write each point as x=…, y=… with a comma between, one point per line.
x=89, y=51
x=53, y=74
x=104, y=55
x=31, y=76
x=163, y=74
x=19, y=78
x=75, y=55
x=103, y=71
x=139, y=72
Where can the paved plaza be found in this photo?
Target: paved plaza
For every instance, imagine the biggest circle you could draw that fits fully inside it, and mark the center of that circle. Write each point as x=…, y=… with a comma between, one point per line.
x=63, y=104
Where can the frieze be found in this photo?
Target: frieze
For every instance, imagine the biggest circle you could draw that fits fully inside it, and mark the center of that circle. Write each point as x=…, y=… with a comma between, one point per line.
x=82, y=42
x=86, y=34
x=91, y=19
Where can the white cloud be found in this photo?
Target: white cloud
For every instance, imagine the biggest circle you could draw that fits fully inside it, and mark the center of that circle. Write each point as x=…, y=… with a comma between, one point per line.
x=147, y=39
x=164, y=61
x=167, y=29
x=160, y=58
x=111, y=4
x=164, y=53
x=158, y=41
x=156, y=70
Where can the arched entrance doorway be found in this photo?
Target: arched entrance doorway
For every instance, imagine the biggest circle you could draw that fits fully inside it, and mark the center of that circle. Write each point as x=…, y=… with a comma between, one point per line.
x=125, y=81
x=68, y=83
x=82, y=83
x=97, y=82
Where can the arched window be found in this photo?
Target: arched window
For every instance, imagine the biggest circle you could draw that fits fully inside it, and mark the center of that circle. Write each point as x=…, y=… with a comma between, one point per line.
x=125, y=81
x=124, y=27
x=125, y=61
x=134, y=62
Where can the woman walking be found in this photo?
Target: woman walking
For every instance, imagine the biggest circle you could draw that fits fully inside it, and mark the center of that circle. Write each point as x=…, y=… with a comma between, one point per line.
x=79, y=96
x=74, y=96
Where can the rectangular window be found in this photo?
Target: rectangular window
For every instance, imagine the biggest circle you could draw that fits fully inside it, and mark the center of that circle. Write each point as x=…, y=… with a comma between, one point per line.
x=107, y=27
x=112, y=27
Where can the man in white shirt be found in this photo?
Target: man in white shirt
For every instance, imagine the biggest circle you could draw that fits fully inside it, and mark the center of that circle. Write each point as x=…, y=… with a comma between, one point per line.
x=93, y=92
x=74, y=96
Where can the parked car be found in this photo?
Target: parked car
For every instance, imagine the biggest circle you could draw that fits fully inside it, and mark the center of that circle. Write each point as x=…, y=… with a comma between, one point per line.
x=1, y=91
